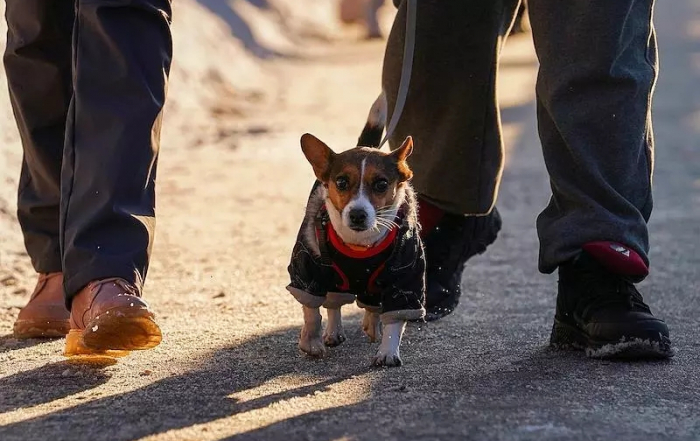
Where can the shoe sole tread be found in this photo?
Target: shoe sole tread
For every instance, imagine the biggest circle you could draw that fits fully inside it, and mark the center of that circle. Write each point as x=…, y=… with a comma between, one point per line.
x=115, y=335
x=568, y=337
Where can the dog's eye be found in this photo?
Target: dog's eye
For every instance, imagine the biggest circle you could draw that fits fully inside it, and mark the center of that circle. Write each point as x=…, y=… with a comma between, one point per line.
x=380, y=186
x=341, y=183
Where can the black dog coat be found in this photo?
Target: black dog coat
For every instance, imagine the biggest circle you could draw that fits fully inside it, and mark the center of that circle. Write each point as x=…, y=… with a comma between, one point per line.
x=388, y=277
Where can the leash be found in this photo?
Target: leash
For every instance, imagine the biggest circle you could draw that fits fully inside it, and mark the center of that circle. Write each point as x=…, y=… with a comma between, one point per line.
x=406, y=68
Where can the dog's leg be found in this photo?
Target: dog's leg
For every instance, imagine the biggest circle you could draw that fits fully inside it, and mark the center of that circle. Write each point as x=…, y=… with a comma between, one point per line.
x=388, y=352
x=334, y=333
x=370, y=325
x=310, y=338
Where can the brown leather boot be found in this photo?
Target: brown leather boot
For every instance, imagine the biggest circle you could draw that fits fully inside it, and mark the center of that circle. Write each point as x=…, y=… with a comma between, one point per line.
x=108, y=317
x=45, y=315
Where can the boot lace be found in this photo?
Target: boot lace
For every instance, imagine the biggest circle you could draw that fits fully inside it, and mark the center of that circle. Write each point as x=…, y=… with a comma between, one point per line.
x=604, y=290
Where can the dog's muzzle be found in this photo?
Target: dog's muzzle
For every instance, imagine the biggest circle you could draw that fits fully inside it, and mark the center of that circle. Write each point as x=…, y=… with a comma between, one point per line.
x=358, y=219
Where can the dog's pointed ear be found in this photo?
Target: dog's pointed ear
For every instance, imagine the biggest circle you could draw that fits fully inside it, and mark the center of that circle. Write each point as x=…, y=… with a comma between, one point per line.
x=400, y=155
x=319, y=155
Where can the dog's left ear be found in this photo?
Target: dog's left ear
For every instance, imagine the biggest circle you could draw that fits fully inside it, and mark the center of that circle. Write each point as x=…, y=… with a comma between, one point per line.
x=400, y=155
x=319, y=155
x=404, y=151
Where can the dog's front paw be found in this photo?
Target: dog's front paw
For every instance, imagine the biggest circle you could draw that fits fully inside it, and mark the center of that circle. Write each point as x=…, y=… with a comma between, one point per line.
x=370, y=326
x=388, y=352
x=388, y=359
x=333, y=337
x=312, y=346
x=334, y=333
x=310, y=339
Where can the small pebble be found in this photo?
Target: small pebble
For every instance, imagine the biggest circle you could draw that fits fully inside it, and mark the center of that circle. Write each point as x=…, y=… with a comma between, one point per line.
x=8, y=281
x=145, y=372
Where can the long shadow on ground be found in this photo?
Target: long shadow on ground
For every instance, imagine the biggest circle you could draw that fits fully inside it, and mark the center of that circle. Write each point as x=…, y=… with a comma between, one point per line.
x=51, y=382
x=457, y=381
x=196, y=397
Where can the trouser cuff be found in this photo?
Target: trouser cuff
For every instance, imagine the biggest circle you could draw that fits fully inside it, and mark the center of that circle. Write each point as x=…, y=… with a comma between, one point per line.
x=73, y=283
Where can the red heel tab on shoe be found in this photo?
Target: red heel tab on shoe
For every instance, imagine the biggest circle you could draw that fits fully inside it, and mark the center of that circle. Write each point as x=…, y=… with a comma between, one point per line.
x=617, y=258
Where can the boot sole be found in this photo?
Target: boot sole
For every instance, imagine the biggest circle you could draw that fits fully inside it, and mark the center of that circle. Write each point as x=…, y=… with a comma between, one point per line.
x=24, y=329
x=567, y=337
x=114, y=335
x=76, y=348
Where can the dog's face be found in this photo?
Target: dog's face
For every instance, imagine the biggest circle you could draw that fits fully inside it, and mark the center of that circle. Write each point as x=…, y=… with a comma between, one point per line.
x=363, y=183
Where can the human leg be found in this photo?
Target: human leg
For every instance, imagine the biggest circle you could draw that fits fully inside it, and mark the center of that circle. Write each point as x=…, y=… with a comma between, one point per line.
x=452, y=114
x=37, y=63
x=595, y=84
x=122, y=55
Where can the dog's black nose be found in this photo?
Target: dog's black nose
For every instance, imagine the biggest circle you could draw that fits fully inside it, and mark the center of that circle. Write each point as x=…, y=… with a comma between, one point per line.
x=358, y=217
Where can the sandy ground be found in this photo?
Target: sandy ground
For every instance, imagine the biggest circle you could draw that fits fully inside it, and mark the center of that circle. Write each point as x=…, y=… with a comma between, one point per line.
x=232, y=188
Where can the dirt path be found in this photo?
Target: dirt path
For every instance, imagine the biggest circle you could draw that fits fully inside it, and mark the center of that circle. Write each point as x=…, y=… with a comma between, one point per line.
x=228, y=368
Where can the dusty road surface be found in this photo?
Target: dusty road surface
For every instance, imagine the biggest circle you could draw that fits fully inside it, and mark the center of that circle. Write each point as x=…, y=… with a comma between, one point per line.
x=232, y=189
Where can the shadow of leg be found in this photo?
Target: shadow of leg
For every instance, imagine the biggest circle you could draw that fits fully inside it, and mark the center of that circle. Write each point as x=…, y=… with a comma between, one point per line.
x=51, y=382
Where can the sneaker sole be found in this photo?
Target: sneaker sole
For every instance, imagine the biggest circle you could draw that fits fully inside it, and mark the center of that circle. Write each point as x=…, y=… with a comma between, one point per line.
x=438, y=312
x=567, y=337
x=24, y=329
x=114, y=335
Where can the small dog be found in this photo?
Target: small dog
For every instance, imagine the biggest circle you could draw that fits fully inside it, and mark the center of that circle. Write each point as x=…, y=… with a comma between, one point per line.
x=359, y=241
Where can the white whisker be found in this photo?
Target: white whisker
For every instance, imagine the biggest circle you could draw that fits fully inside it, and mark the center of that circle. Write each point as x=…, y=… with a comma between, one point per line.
x=385, y=221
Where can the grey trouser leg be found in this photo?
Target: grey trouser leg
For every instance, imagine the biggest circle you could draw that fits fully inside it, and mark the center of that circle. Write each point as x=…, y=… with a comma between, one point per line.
x=451, y=108
x=37, y=62
x=121, y=54
x=598, y=68
x=597, y=72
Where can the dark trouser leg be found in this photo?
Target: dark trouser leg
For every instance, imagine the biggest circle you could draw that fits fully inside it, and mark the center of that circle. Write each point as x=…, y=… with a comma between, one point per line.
x=451, y=108
x=38, y=65
x=597, y=72
x=452, y=114
x=122, y=55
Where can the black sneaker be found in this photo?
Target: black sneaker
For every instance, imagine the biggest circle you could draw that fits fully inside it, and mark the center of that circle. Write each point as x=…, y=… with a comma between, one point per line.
x=603, y=313
x=448, y=246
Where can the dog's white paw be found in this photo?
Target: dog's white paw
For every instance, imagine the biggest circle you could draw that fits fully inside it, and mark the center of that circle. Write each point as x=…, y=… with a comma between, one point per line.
x=334, y=337
x=313, y=346
x=389, y=359
x=388, y=352
x=310, y=339
x=370, y=326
